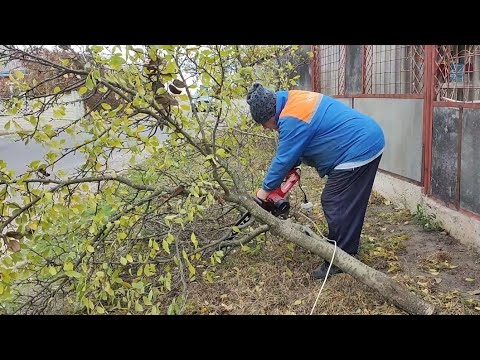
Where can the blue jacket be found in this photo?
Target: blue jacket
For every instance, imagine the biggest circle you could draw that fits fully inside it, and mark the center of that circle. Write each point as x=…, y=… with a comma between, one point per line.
x=321, y=132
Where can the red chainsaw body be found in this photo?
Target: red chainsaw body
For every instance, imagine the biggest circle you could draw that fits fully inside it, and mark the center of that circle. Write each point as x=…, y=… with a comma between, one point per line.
x=280, y=193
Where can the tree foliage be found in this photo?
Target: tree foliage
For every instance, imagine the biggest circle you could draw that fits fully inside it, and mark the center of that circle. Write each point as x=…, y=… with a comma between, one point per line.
x=145, y=213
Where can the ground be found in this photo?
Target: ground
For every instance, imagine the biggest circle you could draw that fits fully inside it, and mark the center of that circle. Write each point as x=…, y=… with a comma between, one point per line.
x=272, y=276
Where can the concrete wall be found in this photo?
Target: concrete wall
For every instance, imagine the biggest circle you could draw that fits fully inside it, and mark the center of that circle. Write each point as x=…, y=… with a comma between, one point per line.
x=460, y=226
x=346, y=101
x=353, y=71
x=401, y=121
x=305, y=80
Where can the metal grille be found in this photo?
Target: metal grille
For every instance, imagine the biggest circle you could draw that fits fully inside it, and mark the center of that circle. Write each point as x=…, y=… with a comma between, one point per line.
x=367, y=68
x=457, y=73
x=394, y=69
x=315, y=79
x=331, y=65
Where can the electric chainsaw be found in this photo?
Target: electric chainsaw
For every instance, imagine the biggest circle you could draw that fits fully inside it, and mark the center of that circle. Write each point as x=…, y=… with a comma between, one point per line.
x=276, y=202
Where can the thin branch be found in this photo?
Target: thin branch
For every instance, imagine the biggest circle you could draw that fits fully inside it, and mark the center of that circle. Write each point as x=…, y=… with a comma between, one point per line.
x=247, y=238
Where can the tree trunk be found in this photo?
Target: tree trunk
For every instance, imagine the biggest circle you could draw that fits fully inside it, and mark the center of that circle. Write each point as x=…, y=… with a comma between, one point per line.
x=390, y=289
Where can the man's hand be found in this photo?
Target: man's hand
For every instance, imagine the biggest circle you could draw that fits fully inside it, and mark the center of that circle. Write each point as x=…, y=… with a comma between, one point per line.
x=262, y=194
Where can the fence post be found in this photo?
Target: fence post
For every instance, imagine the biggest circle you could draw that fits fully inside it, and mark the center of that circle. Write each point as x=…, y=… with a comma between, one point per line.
x=428, y=117
x=353, y=69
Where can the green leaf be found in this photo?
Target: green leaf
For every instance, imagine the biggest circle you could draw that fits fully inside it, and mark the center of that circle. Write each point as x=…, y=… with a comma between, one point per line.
x=165, y=246
x=74, y=274
x=90, y=248
x=7, y=125
x=59, y=112
x=121, y=236
x=236, y=229
x=89, y=83
x=106, y=106
x=97, y=48
x=100, y=310
x=68, y=266
x=34, y=164
x=52, y=270
x=129, y=258
x=123, y=261
x=82, y=90
x=221, y=153
x=56, y=90
x=194, y=240
x=116, y=62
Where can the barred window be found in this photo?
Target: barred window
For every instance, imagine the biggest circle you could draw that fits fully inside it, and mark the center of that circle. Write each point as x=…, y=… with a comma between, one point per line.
x=330, y=66
x=457, y=73
x=394, y=69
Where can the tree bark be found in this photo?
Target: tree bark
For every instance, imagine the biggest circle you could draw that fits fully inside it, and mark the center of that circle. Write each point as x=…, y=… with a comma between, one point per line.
x=390, y=289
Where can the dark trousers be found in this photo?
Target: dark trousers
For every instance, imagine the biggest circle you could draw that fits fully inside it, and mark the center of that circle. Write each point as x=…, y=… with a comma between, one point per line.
x=344, y=201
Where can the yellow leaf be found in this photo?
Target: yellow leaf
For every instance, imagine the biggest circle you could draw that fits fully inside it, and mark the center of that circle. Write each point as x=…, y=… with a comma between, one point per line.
x=297, y=302
x=138, y=307
x=68, y=266
x=194, y=240
x=123, y=261
x=82, y=90
x=100, y=310
x=18, y=74
x=90, y=248
x=129, y=258
x=52, y=270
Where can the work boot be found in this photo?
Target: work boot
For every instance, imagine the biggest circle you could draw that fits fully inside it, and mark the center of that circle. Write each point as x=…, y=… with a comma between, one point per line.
x=321, y=271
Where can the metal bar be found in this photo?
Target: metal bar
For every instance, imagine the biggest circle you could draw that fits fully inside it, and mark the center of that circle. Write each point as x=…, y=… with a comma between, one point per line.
x=428, y=117
x=390, y=96
x=465, y=212
x=459, y=156
x=314, y=65
x=454, y=104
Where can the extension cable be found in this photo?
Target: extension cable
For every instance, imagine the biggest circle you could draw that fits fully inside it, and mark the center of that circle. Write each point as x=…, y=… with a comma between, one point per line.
x=326, y=276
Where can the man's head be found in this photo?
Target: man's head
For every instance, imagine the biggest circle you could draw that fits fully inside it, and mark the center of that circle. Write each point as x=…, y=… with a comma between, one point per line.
x=263, y=104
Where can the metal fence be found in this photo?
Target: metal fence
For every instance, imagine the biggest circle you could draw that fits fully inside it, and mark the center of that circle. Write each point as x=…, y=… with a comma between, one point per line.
x=393, y=69
x=329, y=69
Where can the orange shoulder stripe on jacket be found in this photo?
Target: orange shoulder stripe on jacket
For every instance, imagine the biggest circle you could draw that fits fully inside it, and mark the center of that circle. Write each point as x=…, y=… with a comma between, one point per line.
x=301, y=104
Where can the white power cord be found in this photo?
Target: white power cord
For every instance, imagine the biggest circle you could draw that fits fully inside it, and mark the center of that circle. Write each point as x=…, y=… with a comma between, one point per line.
x=326, y=276
x=308, y=208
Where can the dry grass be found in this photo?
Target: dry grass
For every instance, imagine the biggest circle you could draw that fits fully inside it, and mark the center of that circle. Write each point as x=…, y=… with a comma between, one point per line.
x=278, y=281
x=274, y=277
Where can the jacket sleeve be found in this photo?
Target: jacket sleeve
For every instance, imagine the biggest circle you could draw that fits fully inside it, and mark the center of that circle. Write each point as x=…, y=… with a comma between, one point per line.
x=294, y=138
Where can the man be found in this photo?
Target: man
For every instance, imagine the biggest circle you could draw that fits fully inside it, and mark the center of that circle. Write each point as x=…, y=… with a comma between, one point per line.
x=337, y=141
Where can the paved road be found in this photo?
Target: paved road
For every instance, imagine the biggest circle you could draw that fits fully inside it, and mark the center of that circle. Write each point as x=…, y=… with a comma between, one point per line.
x=18, y=156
